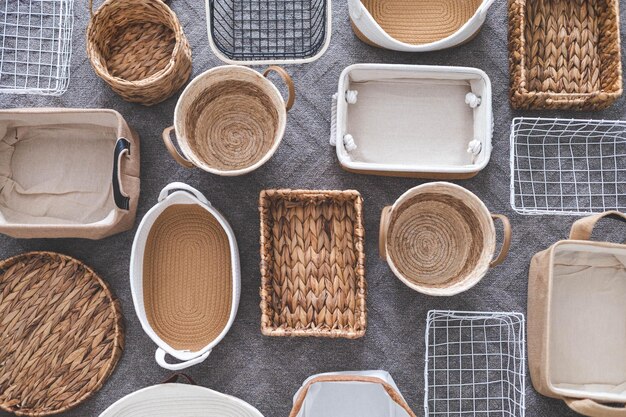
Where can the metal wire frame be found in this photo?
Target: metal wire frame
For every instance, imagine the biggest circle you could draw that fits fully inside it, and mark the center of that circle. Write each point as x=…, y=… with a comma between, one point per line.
x=269, y=30
x=36, y=46
x=567, y=166
x=475, y=364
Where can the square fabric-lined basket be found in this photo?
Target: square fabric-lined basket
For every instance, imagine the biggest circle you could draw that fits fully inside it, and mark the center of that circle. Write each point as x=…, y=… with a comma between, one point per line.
x=312, y=263
x=564, y=54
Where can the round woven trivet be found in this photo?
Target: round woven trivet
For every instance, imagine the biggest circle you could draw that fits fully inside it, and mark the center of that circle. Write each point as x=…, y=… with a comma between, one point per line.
x=232, y=125
x=138, y=47
x=187, y=279
x=434, y=240
x=424, y=21
x=62, y=333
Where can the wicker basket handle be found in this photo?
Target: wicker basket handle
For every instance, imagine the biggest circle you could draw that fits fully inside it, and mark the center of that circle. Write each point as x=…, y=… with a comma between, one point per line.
x=181, y=186
x=122, y=200
x=167, y=139
x=159, y=356
x=287, y=79
x=385, y=217
x=592, y=408
x=91, y=6
x=395, y=396
x=506, y=239
x=582, y=229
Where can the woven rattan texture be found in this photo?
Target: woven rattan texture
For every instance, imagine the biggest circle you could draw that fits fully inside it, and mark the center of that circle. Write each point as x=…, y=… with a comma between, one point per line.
x=232, y=125
x=138, y=47
x=312, y=263
x=420, y=22
x=187, y=281
x=62, y=333
x=564, y=54
x=434, y=240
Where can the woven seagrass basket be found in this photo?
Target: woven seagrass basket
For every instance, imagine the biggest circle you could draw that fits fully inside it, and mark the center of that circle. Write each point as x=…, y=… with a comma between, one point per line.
x=564, y=54
x=62, y=333
x=138, y=47
x=440, y=239
x=312, y=263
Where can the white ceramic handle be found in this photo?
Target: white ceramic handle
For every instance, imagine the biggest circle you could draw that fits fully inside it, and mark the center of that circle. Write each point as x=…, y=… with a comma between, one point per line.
x=159, y=356
x=354, y=8
x=173, y=186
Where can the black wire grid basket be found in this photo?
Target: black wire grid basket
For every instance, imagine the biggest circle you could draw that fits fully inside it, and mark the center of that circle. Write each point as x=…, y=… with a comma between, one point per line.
x=268, y=31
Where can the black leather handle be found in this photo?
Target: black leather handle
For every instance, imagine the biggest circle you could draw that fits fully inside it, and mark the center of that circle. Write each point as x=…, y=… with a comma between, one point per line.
x=174, y=378
x=121, y=200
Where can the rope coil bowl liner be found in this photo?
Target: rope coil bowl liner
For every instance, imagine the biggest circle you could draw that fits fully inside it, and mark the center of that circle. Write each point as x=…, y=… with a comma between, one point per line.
x=62, y=333
x=564, y=54
x=437, y=239
x=312, y=263
x=230, y=119
x=419, y=22
x=187, y=280
x=138, y=47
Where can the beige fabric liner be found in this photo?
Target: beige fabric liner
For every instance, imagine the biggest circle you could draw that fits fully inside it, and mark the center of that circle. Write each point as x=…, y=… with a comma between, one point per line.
x=57, y=173
x=421, y=21
x=187, y=280
x=411, y=122
x=587, y=346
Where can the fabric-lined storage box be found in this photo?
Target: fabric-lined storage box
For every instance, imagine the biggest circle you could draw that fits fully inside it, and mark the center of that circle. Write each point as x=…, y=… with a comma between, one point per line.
x=577, y=321
x=67, y=173
x=412, y=120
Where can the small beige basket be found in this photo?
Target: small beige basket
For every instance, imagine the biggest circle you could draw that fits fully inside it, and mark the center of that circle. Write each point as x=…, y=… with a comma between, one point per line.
x=138, y=47
x=576, y=321
x=440, y=239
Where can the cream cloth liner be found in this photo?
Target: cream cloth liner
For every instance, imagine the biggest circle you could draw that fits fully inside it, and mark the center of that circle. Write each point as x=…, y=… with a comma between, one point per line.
x=415, y=119
x=54, y=171
x=341, y=399
x=587, y=345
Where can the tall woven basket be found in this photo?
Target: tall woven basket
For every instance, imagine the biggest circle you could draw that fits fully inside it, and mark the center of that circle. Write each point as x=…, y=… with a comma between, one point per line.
x=564, y=54
x=138, y=47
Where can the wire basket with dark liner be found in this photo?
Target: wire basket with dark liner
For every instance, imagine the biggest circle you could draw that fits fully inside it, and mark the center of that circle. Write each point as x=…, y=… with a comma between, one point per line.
x=312, y=263
x=269, y=31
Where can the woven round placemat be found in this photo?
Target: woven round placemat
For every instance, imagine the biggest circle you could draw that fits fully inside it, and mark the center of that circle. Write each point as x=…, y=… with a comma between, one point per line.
x=434, y=240
x=62, y=333
x=232, y=125
x=138, y=47
x=187, y=278
x=424, y=21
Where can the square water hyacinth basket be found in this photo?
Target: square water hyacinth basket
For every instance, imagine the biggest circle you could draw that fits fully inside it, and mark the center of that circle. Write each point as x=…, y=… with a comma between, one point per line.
x=475, y=364
x=35, y=46
x=312, y=263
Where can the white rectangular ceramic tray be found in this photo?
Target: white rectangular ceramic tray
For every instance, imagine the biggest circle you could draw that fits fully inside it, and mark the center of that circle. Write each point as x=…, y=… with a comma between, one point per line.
x=413, y=120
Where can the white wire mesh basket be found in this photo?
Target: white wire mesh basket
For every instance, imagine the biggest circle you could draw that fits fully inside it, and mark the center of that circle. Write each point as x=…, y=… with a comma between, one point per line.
x=475, y=364
x=36, y=46
x=568, y=167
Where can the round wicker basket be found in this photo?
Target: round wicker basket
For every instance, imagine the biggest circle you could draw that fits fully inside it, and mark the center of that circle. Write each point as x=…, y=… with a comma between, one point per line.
x=230, y=120
x=138, y=47
x=439, y=238
x=62, y=333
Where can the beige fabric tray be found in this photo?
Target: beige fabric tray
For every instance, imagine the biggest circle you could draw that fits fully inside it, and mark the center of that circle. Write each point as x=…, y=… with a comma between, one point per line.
x=577, y=321
x=56, y=170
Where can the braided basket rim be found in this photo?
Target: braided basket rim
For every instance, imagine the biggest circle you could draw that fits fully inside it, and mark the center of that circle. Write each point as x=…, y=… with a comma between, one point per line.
x=522, y=98
x=117, y=347
x=266, y=256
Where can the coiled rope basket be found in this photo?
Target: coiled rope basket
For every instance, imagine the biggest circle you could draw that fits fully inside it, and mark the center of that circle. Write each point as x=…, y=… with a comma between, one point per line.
x=138, y=47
